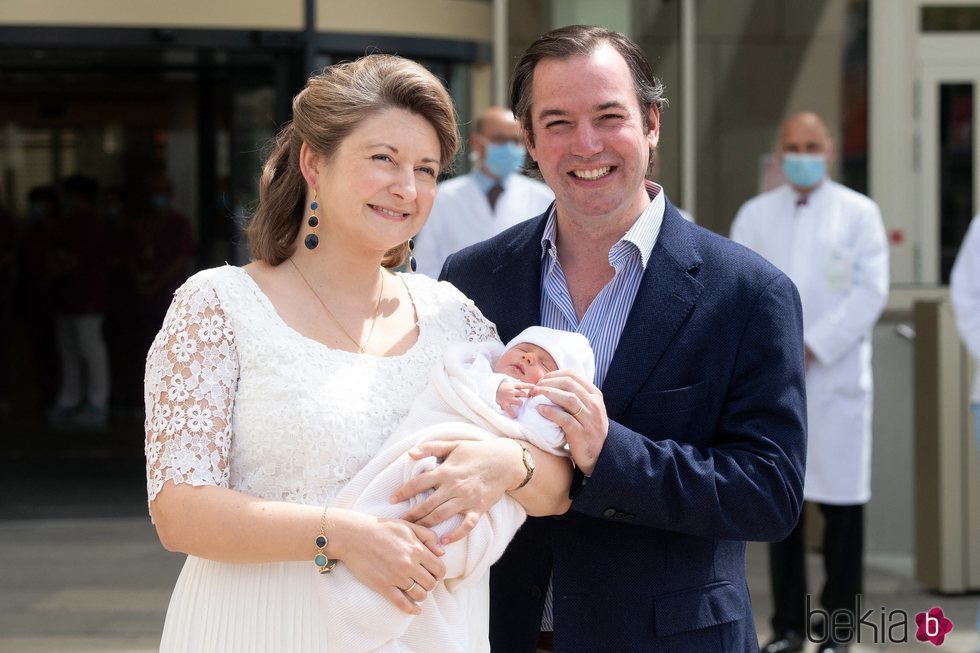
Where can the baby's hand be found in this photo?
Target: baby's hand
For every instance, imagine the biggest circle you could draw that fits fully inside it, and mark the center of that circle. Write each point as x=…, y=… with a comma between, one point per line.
x=511, y=395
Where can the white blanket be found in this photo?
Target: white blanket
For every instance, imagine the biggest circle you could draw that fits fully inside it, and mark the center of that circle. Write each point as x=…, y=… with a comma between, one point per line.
x=450, y=408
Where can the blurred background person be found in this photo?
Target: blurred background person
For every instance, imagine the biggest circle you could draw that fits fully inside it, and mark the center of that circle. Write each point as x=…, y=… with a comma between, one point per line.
x=964, y=288
x=159, y=252
x=8, y=280
x=36, y=361
x=121, y=330
x=831, y=242
x=77, y=256
x=491, y=198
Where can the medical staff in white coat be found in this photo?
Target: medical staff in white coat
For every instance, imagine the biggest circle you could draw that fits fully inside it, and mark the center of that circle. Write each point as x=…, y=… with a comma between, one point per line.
x=964, y=288
x=491, y=198
x=831, y=242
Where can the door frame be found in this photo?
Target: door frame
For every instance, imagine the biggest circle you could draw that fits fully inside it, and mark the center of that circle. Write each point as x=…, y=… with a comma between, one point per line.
x=943, y=59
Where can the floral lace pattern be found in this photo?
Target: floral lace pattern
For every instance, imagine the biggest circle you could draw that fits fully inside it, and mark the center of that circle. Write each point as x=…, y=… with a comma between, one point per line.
x=236, y=398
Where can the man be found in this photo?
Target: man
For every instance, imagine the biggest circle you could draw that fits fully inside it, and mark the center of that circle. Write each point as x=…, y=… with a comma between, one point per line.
x=77, y=262
x=831, y=242
x=695, y=442
x=157, y=246
x=491, y=198
x=964, y=290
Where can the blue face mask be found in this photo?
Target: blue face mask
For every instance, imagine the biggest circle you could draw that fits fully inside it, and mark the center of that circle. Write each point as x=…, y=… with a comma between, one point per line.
x=503, y=159
x=804, y=170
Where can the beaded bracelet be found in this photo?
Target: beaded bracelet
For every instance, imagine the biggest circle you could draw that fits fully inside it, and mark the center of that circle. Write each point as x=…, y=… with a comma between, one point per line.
x=324, y=564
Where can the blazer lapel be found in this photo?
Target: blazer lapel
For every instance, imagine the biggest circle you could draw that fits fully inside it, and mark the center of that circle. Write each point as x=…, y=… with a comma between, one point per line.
x=518, y=280
x=666, y=295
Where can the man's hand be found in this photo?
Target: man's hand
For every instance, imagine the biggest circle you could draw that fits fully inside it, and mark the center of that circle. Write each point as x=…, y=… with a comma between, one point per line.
x=510, y=396
x=583, y=419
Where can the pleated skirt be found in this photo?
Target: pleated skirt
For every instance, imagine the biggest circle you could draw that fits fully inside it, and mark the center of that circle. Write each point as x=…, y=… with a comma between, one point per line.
x=275, y=607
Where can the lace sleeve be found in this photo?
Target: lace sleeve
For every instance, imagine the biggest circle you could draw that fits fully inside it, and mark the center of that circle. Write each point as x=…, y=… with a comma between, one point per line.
x=189, y=389
x=478, y=328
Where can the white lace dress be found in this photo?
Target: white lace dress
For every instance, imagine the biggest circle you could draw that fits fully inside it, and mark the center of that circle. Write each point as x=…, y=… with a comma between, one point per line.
x=238, y=399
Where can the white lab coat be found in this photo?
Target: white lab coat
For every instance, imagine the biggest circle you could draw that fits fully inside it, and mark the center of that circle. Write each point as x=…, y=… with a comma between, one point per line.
x=835, y=250
x=461, y=216
x=964, y=287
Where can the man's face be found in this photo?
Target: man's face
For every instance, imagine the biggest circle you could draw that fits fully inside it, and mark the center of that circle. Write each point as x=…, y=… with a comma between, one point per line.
x=589, y=136
x=805, y=134
x=498, y=126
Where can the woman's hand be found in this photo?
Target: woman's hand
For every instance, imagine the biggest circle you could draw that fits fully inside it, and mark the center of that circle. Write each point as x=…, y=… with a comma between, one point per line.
x=395, y=558
x=473, y=477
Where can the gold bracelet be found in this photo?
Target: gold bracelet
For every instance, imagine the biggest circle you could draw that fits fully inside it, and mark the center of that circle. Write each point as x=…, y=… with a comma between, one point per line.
x=324, y=564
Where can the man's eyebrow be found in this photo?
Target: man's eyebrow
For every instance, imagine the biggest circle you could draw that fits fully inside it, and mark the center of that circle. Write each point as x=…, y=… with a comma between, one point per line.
x=610, y=105
x=605, y=106
x=548, y=113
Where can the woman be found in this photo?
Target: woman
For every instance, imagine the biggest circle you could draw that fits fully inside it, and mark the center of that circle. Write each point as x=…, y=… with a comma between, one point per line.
x=271, y=385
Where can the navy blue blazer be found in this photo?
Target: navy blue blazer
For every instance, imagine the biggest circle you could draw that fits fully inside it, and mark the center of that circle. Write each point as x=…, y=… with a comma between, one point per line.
x=706, y=449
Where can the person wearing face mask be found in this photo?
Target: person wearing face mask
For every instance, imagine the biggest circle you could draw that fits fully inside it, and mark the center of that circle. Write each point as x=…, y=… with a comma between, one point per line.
x=831, y=242
x=158, y=252
x=491, y=198
x=76, y=261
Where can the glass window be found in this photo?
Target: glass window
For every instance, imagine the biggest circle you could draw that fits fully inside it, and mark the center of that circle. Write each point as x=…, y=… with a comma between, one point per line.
x=956, y=160
x=950, y=19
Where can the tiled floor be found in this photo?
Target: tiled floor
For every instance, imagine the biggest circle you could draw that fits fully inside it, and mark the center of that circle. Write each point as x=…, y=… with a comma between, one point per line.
x=81, y=568
x=102, y=584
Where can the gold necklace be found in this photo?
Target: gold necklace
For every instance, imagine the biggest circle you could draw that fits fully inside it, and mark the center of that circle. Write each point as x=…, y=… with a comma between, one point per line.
x=374, y=320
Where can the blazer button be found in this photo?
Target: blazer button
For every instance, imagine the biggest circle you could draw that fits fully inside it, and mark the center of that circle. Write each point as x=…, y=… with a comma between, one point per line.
x=619, y=516
x=629, y=517
x=535, y=592
x=609, y=513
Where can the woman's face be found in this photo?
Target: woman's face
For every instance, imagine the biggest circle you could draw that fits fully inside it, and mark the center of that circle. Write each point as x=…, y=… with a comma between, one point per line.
x=526, y=362
x=377, y=189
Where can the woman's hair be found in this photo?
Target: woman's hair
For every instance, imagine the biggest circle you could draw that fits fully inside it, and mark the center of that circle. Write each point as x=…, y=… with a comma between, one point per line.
x=333, y=104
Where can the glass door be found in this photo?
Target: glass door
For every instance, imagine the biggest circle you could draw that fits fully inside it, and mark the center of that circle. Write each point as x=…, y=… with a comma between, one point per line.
x=949, y=197
x=949, y=190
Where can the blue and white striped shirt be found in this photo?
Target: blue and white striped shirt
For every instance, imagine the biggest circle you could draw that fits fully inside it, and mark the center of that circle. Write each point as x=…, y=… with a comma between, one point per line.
x=605, y=318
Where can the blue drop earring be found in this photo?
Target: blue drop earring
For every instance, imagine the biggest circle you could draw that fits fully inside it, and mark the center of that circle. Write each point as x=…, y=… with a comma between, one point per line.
x=411, y=259
x=311, y=240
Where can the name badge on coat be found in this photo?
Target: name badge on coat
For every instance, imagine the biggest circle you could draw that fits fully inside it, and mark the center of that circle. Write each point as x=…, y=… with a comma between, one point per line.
x=840, y=270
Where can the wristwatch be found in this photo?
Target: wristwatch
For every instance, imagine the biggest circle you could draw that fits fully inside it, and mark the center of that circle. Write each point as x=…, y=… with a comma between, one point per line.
x=528, y=465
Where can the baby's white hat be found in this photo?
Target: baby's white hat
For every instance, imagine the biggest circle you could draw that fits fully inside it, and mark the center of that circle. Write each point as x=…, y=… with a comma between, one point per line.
x=570, y=350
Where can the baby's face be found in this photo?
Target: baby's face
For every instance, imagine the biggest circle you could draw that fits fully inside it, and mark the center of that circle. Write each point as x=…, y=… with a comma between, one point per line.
x=526, y=362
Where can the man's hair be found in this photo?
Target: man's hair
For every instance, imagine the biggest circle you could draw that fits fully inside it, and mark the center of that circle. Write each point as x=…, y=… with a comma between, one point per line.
x=578, y=40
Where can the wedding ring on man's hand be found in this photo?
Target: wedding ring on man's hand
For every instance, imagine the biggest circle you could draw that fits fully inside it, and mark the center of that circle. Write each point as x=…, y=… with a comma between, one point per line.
x=580, y=409
x=411, y=587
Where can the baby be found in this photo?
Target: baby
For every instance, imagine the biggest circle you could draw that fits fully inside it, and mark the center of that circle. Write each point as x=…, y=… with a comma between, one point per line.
x=534, y=352
x=478, y=391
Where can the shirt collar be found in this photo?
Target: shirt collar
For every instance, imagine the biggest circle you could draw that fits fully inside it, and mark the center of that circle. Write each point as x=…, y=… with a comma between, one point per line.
x=486, y=182
x=814, y=194
x=642, y=235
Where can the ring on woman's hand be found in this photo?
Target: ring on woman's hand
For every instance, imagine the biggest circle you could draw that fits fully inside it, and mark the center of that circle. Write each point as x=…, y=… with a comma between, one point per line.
x=580, y=409
x=411, y=587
